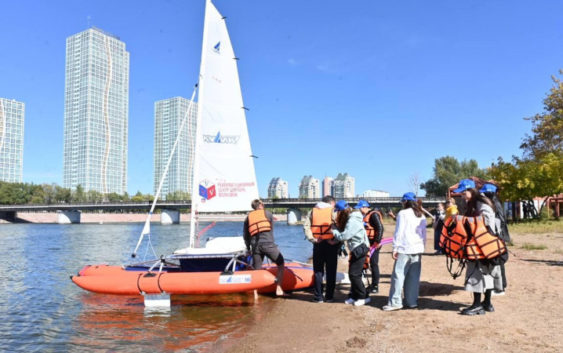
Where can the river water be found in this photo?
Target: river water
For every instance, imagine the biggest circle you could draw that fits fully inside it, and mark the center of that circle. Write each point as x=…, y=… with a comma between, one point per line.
x=41, y=310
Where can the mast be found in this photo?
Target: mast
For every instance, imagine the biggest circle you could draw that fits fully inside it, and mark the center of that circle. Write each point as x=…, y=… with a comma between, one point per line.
x=200, y=99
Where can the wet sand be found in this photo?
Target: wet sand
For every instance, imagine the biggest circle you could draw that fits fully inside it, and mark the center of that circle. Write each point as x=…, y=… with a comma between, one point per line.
x=529, y=318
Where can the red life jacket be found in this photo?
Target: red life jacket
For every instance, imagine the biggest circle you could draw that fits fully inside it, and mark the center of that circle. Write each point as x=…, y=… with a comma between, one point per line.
x=258, y=222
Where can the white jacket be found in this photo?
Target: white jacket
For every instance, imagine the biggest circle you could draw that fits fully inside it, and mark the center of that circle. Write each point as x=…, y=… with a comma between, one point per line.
x=410, y=233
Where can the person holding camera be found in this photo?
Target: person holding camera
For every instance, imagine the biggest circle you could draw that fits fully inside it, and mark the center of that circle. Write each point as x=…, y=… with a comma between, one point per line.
x=350, y=227
x=408, y=245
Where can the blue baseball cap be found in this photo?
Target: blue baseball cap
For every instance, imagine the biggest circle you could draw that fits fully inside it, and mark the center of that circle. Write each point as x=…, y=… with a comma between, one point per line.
x=409, y=196
x=341, y=205
x=488, y=188
x=465, y=184
x=361, y=203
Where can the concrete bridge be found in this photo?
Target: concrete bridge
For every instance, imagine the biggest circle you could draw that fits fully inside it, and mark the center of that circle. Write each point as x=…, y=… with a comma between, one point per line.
x=70, y=212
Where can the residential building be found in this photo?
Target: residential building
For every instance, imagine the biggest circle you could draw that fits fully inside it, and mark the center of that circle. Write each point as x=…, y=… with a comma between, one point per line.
x=344, y=186
x=96, y=112
x=12, y=115
x=328, y=184
x=168, y=117
x=375, y=193
x=278, y=188
x=309, y=188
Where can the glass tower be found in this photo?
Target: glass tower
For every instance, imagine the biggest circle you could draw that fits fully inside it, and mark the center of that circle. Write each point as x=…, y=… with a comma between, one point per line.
x=168, y=116
x=11, y=140
x=96, y=112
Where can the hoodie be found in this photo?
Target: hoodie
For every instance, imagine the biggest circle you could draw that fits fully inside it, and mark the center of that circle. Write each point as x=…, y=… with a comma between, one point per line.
x=354, y=233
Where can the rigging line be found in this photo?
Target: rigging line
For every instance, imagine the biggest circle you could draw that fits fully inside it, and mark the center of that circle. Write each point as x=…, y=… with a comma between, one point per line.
x=146, y=228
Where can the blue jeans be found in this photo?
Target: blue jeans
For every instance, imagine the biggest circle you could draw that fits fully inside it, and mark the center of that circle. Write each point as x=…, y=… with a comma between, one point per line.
x=406, y=272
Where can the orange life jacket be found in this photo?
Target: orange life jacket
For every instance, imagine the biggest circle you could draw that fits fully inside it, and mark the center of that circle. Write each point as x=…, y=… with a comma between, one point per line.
x=469, y=238
x=371, y=231
x=258, y=222
x=484, y=244
x=454, y=237
x=321, y=223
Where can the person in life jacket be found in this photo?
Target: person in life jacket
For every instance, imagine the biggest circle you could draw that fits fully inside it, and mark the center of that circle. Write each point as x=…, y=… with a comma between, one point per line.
x=481, y=276
x=408, y=245
x=491, y=191
x=318, y=230
x=259, y=239
x=374, y=230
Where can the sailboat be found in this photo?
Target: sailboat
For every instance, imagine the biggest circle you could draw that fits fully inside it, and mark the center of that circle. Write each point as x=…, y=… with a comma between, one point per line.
x=223, y=180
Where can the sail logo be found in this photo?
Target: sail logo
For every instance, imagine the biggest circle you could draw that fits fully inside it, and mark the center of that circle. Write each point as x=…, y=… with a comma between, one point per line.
x=226, y=139
x=207, y=191
x=217, y=48
x=235, y=279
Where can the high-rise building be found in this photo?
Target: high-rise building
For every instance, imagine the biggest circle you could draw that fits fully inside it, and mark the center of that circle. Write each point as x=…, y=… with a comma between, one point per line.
x=309, y=188
x=344, y=186
x=278, y=188
x=96, y=112
x=168, y=117
x=327, y=186
x=12, y=115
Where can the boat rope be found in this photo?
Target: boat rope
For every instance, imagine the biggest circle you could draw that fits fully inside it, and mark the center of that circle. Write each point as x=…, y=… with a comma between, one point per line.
x=146, y=228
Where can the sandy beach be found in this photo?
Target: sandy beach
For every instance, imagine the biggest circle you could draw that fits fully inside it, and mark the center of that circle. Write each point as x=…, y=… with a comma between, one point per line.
x=527, y=319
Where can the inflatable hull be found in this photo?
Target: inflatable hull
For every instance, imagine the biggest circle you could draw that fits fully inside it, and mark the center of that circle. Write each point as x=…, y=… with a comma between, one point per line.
x=117, y=280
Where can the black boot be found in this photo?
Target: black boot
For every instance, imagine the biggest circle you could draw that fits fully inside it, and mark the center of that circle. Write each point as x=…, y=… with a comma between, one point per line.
x=487, y=306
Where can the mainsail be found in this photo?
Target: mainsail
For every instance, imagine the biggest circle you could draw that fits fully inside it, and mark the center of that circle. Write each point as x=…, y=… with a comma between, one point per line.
x=224, y=178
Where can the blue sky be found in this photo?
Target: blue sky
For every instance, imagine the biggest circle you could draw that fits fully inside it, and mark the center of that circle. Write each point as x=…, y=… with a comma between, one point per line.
x=378, y=89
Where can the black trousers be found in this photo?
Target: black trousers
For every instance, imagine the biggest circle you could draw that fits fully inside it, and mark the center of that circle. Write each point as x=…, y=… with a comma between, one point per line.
x=374, y=266
x=355, y=269
x=325, y=258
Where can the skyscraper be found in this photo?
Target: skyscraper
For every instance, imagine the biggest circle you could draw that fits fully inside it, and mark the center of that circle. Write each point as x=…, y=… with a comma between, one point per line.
x=168, y=116
x=309, y=188
x=328, y=184
x=278, y=188
x=96, y=112
x=12, y=115
x=344, y=186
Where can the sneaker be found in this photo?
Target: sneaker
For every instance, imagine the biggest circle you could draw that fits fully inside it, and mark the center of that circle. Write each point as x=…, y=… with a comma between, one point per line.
x=411, y=307
x=329, y=300
x=373, y=289
x=349, y=301
x=361, y=302
x=498, y=292
x=315, y=300
x=391, y=308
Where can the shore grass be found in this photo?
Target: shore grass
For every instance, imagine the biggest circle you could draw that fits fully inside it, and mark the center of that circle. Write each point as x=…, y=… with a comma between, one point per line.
x=536, y=226
x=530, y=246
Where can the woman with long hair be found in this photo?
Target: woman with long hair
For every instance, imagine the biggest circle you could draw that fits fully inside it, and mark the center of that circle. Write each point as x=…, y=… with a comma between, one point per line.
x=350, y=227
x=408, y=246
x=481, y=276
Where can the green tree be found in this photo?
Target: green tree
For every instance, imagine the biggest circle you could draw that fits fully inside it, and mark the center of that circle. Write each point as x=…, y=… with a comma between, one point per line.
x=79, y=195
x=448, y=171
x=547, y=126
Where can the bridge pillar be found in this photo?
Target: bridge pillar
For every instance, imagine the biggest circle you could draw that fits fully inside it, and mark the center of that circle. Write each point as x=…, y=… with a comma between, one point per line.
x=169, y=217
x=68, y=217
x=293, y=216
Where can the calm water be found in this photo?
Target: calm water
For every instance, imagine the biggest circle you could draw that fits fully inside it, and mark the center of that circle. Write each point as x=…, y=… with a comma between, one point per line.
x=41, y=310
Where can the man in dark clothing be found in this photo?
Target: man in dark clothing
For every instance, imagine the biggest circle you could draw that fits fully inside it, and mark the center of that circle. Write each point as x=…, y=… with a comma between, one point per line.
x=374, y=229
x=259, y=239
x=317, y=228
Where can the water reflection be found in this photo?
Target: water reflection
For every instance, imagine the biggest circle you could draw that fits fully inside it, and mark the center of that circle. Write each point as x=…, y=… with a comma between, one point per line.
x=43, y=311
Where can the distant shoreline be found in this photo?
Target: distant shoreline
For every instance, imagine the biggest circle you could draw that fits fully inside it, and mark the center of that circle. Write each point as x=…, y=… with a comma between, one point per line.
x=109, y=218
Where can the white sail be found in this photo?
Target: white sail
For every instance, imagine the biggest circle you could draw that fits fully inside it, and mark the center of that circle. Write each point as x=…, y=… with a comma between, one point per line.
x=224, y=178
